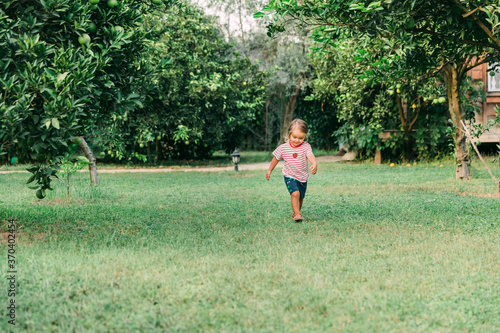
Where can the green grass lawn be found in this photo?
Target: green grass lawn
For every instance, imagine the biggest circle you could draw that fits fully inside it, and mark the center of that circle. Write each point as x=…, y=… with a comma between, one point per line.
x=383, y=249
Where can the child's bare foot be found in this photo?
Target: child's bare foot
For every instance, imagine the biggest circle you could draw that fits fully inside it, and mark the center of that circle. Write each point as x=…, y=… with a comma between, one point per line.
x=297, y=217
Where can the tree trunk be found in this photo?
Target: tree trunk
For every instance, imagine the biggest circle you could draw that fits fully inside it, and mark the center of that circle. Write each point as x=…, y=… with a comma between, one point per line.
x=287, y=119
x=403, y=117
x=408, y=125
x=453, y=79
x=67, y=184
x=289, y=111
x=241, y=25
x=157, y=149
x=267, y=125
x=94, y=179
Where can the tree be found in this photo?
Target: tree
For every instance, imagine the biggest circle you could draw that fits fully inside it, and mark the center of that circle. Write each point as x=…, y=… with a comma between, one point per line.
x=196, y=105
x=372, y=94
x=454, y=36
x=288, y=70
x=284, y=60
x=66, y=66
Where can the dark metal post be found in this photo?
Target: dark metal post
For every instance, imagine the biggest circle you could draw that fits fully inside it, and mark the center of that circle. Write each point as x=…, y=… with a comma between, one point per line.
x=236, y=159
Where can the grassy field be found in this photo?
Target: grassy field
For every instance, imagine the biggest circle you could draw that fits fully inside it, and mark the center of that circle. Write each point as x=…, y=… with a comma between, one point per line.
x=383, y=249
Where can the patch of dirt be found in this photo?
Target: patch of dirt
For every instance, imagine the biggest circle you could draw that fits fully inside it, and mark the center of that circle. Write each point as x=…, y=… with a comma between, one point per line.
x=4, y=237
x=329, y=158
x=39, y=236
x=58, y=202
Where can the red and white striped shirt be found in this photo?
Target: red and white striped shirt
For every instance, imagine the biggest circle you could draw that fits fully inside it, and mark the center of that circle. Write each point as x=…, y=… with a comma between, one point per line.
x=295, y=158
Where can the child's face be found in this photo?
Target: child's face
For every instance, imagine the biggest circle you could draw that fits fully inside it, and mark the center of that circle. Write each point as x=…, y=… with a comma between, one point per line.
x=296, y=137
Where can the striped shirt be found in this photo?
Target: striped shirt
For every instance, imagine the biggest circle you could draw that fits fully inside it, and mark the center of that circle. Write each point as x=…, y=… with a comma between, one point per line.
x=295, y=160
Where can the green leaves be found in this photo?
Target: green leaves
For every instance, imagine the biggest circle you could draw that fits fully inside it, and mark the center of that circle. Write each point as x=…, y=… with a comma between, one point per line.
x=42, y=175
x=375, y=5
x=492, y=17
x=124, y=86
x=200, y=83
x=53, y=89
x=55, y=123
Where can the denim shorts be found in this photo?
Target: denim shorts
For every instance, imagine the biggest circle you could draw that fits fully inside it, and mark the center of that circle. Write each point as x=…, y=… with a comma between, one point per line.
x=293, y=185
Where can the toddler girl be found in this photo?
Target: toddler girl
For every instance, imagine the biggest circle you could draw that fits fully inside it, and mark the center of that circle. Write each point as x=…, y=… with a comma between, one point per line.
x=295, y=152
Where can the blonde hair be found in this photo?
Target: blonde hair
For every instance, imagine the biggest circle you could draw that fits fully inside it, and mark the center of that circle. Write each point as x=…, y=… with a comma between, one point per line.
x=300, y=125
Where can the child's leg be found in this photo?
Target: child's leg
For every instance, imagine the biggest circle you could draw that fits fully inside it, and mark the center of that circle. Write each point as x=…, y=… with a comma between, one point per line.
x=296, y=202
x=302, y=193
x=296, y=190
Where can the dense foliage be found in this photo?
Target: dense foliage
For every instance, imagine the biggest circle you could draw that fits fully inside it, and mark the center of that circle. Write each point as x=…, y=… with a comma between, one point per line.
x=367, y=99
x=198, y=103
x=434, y=38
x=67, y=65
x=128, y=76
x=125, y=75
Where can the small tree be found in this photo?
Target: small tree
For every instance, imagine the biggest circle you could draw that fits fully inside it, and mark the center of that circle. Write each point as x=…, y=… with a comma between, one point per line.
x=70, y=165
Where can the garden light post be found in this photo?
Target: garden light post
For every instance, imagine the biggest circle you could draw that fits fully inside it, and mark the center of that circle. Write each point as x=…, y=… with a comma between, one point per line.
x=236, y=159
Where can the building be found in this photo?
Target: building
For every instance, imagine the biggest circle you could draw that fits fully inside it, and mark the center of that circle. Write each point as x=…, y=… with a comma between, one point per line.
x=492, y=92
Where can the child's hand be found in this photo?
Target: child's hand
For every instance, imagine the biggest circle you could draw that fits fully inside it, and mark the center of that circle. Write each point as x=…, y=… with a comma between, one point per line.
x=268, y=174
x=314, y=168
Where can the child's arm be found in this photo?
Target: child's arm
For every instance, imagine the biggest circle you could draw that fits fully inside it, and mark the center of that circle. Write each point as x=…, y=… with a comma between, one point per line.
x=314, y=166
x=274, y=162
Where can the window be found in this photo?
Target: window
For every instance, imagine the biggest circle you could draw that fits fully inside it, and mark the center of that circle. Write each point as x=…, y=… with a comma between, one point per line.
x=494, y=81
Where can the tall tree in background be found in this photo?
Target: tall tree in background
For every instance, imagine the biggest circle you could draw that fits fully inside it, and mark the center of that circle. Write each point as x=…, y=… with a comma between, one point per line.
x=284, y=59
x=288, y=70
x=237, y=20
x=198, y=103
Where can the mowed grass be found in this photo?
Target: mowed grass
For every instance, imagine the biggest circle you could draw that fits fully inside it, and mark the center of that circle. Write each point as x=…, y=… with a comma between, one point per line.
x=382, y=249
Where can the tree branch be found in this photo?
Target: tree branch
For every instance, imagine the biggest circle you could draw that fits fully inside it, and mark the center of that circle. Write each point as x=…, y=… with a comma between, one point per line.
x=484, y=60
x=274, y=106
x=471, y=12
x=466, y=42
x=446, y=70
x=479, y=154
x=412, y=31
x=416, y=116
x=280, y=99
x=401, y=113
x=94, y=179
x=478, y=22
